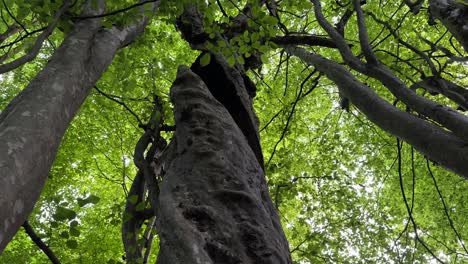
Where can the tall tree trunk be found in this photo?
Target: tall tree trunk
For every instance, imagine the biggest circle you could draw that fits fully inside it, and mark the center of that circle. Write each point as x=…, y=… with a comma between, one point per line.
x=214, y=205
x=32, y=125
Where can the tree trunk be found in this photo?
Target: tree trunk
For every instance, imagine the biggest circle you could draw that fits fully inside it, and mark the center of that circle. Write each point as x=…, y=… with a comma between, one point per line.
x=214, y=205
x=32, y=125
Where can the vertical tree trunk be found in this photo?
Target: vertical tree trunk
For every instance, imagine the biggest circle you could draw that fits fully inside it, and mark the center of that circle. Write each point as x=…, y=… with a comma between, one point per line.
x=32, y=125
x=214, y=205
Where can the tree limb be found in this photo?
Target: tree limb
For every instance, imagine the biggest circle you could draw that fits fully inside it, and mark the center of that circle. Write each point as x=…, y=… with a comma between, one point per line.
x=31, y=54
x=38, y=241
x=436, y=143
x=10, y=31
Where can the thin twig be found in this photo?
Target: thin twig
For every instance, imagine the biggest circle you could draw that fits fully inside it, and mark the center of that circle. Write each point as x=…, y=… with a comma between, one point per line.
x=38, y=241
x=114, y=12
x=460, y=239
x=120, y=103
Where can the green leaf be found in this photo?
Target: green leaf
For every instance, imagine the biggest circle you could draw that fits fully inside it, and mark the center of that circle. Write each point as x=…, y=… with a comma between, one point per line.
x=81, y=202
x=74, y=223
x=63, y=213
x=271, y=20
x=126, y=216
x=205, y=59
x=93, y=199
x=74, y=232
x=231, y=61
x=221, y=43
x=72, y=244
x=140, y=206
x=64, y=234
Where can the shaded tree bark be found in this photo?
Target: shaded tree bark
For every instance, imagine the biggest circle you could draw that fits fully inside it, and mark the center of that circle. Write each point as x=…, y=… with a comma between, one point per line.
x=32, y=125
x=454, y=16
x=214, y=205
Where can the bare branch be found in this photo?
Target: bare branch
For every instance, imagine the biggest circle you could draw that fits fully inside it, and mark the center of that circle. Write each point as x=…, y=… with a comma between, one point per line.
x=340, y=41
x=116, y=11
x=10, y=31
x=436, y=143
x=140, y=123
x=38, y=241
x=30, y=55
x=363, y=35
x=311, y=40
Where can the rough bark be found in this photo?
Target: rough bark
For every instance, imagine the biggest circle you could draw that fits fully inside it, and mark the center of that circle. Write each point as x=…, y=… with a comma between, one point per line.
x=454, y=16
x=32, y=125
x=235, y=91
x=214, y=205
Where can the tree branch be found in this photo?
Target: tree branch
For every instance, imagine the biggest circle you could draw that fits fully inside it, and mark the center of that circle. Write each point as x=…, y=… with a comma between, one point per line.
x=115, y=12
x=363, y=35
x=436, y=143
x=140, y=123
x=38, y=241
x=10, y=31
x=30, y=55
x=304, y=40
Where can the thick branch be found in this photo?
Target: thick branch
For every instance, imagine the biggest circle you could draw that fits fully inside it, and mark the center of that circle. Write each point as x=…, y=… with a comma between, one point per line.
x=304, y=40
x=438, y=85
x=438, y=144
x=335, y=35
x=132, y=223
x=444, y=115
x=363, y=35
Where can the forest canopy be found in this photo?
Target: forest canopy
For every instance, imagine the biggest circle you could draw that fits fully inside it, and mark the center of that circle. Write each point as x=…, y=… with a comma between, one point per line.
x=361, y=106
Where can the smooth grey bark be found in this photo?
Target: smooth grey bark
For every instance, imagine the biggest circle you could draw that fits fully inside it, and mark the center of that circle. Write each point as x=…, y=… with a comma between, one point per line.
x=454, y=16
x=446, y=116
x=437, y=144
x=214, y=205
x=32, y=125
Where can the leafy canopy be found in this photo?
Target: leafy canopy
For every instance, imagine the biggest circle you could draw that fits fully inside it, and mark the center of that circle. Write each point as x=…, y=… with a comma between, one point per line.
x=336, y=178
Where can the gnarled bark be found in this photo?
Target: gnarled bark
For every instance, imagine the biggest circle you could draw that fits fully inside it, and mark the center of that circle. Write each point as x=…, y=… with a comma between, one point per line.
x=454, y=16
x=32, y=125
x=214, y=205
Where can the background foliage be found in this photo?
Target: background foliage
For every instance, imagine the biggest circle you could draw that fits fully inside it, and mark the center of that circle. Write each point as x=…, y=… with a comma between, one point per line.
x=333, y=174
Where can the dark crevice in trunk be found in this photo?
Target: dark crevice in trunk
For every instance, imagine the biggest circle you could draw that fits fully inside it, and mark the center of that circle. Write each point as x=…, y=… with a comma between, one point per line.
x=214, y=205
x=228, y=90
